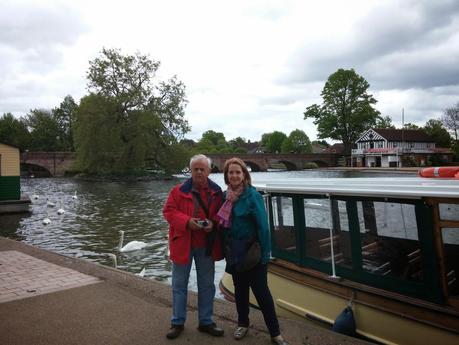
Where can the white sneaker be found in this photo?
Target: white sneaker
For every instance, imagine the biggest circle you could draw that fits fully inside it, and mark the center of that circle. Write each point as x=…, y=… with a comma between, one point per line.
x=279, y=340
x=240, y=332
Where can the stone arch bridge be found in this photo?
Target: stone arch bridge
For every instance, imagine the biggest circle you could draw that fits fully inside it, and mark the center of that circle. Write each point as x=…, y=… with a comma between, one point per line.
x=58, y=163
x=47, y=163
x=261, y=161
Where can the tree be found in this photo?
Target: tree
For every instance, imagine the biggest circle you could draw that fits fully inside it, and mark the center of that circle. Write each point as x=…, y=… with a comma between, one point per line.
x=347, y=109
x=44, y=131
x=272, y=142
x=129, y=123
x=384, y=122
x=450, y=119
x=238, y=145
x=435, y=129
x=212, y=142
x=297, y=142
x=410, y=125
x=14, y=132
x=64, y=116
x=321, y=142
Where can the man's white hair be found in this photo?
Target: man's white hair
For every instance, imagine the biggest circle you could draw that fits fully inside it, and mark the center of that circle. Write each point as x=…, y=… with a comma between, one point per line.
x=199, y=157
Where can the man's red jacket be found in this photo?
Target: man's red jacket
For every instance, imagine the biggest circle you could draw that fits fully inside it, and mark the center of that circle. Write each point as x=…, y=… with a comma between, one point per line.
x=178, y=210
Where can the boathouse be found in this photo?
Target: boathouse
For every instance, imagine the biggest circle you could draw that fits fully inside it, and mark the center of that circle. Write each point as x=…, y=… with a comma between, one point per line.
x=10, y=188
x=397, y=148
x=11, y=200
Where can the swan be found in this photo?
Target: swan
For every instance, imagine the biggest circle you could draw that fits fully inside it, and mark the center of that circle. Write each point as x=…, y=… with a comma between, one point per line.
x=61, y=209
x=141, y=273
x=46, y=221
x=131, y=246
x=75, y=195
x=113, y=257
x=49, y=203
x=35, y=196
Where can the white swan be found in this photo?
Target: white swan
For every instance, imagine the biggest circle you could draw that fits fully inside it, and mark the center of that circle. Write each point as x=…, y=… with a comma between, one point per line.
x=49, y=203
x=141, y=273
x=131, y=246
x=61, y=209
x=46, y=221
x=113, y=257
x=35, y=196
x=75, y=195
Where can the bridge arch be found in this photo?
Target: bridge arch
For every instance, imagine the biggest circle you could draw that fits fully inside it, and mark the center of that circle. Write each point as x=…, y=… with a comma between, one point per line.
x=253, y=166
x=289, y=165
x=34, y=170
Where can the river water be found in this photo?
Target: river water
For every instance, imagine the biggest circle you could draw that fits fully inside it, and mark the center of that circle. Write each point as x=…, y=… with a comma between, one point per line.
x=89, y=228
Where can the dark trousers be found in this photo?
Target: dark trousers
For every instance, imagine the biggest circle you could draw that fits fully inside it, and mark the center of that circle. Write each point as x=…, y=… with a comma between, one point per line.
x=257, y=280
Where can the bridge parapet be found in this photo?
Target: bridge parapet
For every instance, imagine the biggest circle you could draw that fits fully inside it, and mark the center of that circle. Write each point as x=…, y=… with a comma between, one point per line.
x=261, y=161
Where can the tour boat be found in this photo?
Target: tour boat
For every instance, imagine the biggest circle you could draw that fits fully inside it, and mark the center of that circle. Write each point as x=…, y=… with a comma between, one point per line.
x=387, y=247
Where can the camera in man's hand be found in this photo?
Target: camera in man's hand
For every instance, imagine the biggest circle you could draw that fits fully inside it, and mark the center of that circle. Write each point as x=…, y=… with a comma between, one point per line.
x=203, y=223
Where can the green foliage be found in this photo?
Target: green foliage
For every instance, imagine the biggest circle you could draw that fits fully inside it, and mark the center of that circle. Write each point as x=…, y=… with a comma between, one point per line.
x=347, y=109
x=64, y=116
x=384, y=123
x=272, y=142
x=238, y=145
x=410, y=126
x=129, y=123
x=297, y=142
x=14, y=132
x=321, y=142
x=450, y=119
x=435, y=129
x=44, y=131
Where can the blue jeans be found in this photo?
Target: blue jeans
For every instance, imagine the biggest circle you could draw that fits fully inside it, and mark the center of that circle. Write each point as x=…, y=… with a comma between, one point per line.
x=205, y=272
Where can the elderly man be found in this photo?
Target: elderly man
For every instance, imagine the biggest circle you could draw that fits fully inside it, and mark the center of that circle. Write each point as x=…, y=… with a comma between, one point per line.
x=190, y=211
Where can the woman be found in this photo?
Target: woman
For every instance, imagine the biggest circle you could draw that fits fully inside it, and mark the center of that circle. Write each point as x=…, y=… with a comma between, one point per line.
x=244, y=216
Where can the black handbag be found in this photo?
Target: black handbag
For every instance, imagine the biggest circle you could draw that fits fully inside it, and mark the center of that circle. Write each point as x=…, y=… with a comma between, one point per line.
x=242, y=255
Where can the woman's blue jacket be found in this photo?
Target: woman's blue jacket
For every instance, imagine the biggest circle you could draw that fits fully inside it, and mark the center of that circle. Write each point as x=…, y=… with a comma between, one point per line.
x=249, y=215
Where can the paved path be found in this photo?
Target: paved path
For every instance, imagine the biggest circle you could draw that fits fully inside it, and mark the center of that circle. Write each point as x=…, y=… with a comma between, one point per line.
x=47, y=298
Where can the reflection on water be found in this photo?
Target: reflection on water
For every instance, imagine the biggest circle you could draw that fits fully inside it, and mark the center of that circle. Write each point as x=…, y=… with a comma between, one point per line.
x=90, y=226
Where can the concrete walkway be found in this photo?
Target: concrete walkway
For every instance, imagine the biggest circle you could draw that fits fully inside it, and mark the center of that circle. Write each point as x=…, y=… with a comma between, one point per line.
x=47, y=298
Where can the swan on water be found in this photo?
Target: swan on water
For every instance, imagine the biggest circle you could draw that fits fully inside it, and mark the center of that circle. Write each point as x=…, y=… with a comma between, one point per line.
x=131, y=246
x=113, y=257
x=75, y=195
x=61, y=209
x=46, y=221
x=141, y=273
x=35, y=196
x=49, y=203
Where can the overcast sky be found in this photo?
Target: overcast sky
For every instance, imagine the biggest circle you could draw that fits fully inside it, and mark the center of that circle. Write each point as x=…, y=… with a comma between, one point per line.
x=250, y=67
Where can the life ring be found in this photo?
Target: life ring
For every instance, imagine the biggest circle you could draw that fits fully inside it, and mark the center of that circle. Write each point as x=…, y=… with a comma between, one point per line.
x=444, y=172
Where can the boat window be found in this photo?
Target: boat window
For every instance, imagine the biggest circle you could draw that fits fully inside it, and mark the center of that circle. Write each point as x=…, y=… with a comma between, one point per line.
x=318, y=241
x=389, y=242
x=449, y=211
x=284, y=232
x=451, y=253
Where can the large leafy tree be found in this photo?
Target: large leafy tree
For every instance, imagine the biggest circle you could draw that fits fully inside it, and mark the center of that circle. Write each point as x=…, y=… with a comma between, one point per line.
x=272, y=142
x=450, y=119
x=44, y=131
x=14, y=132
x=297, y=142
x=385, y=122
x=130, y=122
x=212, y=142
x=439, y=133
x=347, y=108
x=64, y=115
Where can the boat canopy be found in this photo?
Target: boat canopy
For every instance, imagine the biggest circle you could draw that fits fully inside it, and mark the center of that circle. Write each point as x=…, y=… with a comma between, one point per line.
x=395, y=187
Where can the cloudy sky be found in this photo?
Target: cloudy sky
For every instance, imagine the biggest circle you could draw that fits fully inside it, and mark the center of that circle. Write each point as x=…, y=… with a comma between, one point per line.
x=250, y=67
